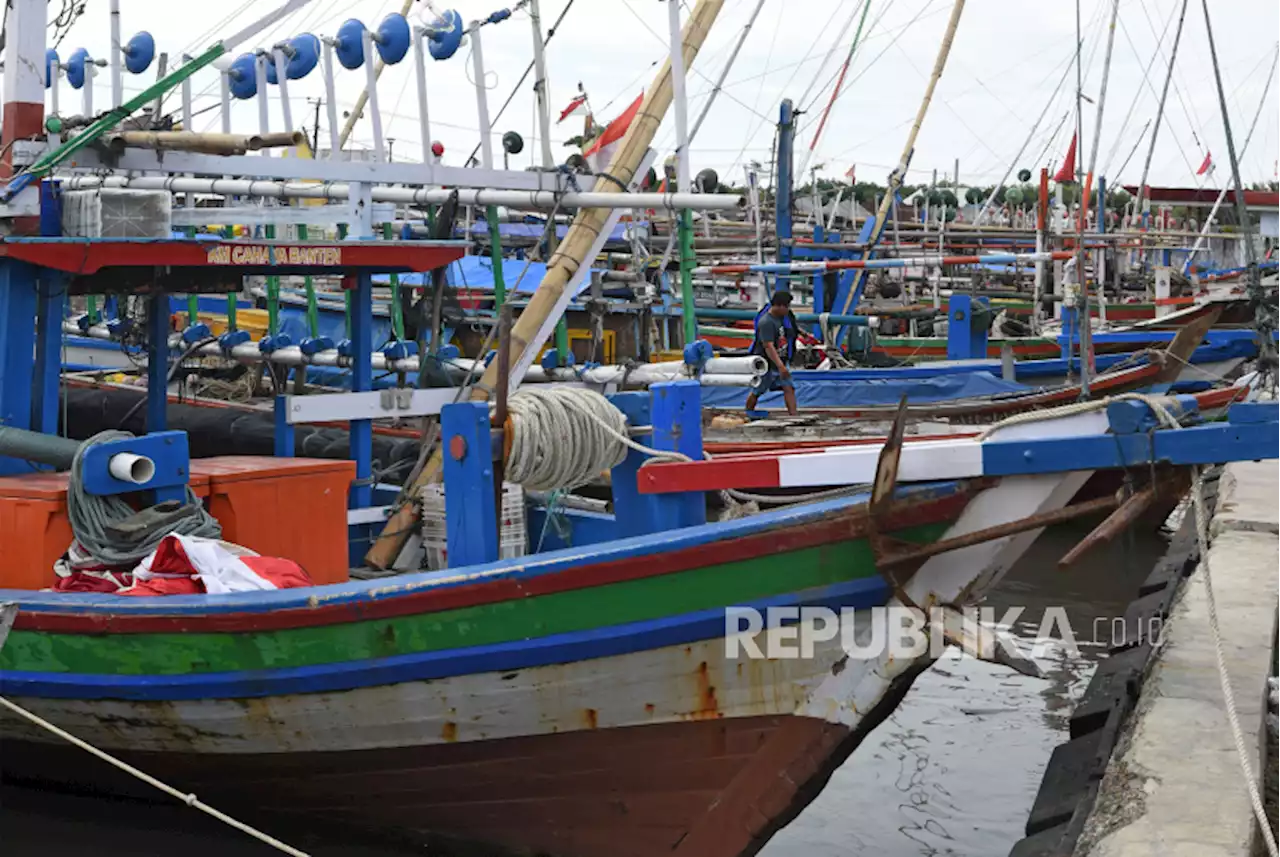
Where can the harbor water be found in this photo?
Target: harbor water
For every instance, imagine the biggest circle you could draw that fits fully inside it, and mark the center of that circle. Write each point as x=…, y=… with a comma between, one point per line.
x=953, y=771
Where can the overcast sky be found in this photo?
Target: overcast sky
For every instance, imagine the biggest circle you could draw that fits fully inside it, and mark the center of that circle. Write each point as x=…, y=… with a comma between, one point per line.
x=1008, y=59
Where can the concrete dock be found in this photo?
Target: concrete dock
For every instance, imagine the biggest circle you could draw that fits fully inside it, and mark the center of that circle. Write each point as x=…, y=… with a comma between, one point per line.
x=1174, y=784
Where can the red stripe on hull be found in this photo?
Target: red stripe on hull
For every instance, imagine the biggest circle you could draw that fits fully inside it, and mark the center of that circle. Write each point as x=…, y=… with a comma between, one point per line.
x=841, y=527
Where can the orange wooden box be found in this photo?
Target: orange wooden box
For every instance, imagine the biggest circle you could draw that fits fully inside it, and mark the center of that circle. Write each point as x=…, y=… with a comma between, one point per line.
x=35, y=530
x=294, y=508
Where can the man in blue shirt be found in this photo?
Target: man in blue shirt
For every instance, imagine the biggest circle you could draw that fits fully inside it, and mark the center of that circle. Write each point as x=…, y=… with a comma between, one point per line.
x=775, y=331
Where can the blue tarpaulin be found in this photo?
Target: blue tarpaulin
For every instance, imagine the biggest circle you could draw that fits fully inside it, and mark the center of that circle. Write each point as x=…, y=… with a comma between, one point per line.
x=820, y=390
x=476, y=272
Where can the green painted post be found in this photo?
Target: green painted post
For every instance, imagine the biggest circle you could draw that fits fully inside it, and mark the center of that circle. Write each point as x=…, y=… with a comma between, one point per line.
x=91, y=308
x=686, y=277
x=562, y=323
x=229, y=232
x=193, y=302
x=495, y=253
x=313, y=309
x=273, y=290
x=397, y=315
x=346, y=295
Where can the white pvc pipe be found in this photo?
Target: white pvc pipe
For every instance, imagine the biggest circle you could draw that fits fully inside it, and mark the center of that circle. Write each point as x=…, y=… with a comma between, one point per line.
x=416, y=196
x=282, y=83
x=420, y=76
x=117, y=83
x=371, y=90
x=260, y=74
x=134, y=469
x=330, y=102
x=482, y=97
x=678, y=99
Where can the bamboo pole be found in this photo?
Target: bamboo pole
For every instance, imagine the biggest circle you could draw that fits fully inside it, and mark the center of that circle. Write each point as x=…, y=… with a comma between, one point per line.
x=895, y=181
x=211, y=143
x=358, y=110
x=569, y=256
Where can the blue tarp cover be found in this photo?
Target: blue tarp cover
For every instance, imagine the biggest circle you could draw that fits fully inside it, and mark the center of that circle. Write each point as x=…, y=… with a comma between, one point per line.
x=815, y=390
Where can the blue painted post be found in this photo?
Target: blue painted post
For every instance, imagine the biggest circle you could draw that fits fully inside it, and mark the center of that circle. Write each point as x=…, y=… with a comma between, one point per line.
x=965, y=341
x=157, y=361
x=361, y=432
x=783, y=178
x=17, y=339
x=1069, y=332
x=676, y=410
x=52, y=299
x=284, y=438
x=471, y=516
x=636, y=514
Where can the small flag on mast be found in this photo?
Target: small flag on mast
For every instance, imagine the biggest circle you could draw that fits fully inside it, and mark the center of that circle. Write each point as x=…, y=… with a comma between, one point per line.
x=1207, y=165
x=1068, y=171
x=574, y=106
x=849, y=174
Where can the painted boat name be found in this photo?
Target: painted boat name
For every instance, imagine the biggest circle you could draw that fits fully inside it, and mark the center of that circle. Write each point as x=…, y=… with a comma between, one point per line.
x=261, y=254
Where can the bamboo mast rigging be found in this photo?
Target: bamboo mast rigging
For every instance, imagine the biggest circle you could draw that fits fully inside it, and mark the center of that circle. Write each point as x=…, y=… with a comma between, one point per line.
x=535, y=322
x=1164, y=94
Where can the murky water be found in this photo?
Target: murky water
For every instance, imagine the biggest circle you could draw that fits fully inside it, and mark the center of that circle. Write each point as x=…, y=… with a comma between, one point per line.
x=953, y=772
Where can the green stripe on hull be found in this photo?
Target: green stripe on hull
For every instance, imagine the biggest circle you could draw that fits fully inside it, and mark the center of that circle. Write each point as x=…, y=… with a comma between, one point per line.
x=580, y=609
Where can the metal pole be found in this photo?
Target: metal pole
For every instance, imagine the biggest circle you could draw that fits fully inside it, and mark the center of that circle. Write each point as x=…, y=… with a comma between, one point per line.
x=88, y=87
x=679, y=105
x=260, y=73
x=282, y=83
x=1264, y=313
x=724, y=72
x=55, y=70
x=117, y=83
x=225, y=85
x=482, y=97
x=1082, y=281
x=371, y=92
x=330, y=102
x=358, y=110
x=420, y=73
x=540, y=86
x=1164, y=92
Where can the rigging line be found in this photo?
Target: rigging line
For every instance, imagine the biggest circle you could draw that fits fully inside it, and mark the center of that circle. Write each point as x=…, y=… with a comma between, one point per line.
x=839, y=39
x=1160, y=101
x=1052, y=137
x=1137, y=95
x=773, y=42
x=844, y=68
x=1192, y=119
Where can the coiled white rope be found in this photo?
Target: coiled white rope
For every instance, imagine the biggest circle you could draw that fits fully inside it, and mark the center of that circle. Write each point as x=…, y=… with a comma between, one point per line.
x=189, y=799
x=563, y=437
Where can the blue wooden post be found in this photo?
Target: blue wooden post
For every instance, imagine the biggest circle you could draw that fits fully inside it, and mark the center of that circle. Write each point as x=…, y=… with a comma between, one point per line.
x=17, y=339
x=676, y=409
x=782, y=196
x=157, y=361
x=52, y=299
x=284, y=438
x=471, y=516
x=1069, y=332
x=965, y=340
x=361, y=433
x=636, y=514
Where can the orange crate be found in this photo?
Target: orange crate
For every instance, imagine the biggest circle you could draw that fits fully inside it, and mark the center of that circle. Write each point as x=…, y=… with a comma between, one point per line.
x=34, y=529
x=294, y=508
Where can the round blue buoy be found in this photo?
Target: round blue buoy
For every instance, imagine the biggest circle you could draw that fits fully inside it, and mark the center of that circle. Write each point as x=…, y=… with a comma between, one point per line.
x=349, y=44
x=272, y=77
x=50, y=57
x=446, y=35
x=139, y=52
x=306, y=53
x=75, y=67
x=242, y=77
x=393, y=38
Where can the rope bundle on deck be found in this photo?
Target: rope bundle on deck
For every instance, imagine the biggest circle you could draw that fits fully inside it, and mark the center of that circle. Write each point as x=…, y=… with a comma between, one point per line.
x=91, y=515
x=563, y=437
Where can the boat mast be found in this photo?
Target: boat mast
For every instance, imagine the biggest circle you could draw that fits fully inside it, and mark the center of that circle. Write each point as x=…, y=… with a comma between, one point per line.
x=900, y=172
x=1264, y=314
x=724, y=72
x=1082, y=281
x=534, y=324
x=363, y=98
x=1164, y=93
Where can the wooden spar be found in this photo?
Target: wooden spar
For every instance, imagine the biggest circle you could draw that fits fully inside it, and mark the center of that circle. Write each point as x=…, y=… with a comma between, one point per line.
x=1155, y=131
x=210, y=144
x=356, y=112
x=1097, y=128
x=895, y=180
x=529, y=330
x=1184, y=344
x=1135, y=506
x=500, y=414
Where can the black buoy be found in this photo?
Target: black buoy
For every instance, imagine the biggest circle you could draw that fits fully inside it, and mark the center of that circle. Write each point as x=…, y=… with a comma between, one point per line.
x=512, y=143
x=1024, y=175
x=707, y=181
x=576, y=162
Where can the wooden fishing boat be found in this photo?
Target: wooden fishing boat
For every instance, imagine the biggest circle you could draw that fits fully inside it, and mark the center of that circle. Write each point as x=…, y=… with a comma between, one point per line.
x=576, y=702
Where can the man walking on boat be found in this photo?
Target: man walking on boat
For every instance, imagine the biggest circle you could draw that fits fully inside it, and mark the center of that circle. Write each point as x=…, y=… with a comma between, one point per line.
x=776, y=333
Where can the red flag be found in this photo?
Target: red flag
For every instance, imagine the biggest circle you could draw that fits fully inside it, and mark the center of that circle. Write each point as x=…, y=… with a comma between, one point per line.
x=1067, y=173
x=600, y=152
x=849, y=174
x=1204, y=167
x=573, y=108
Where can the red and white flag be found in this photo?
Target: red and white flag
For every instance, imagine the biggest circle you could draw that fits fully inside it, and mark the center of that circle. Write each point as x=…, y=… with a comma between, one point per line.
x=601, y=150
x=1207, y=165
x=849, y=173
x=575, y=106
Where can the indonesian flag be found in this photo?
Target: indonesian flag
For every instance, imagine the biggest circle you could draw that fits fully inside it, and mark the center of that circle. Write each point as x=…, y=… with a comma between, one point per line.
x=849, y=173
x=190, y=565
x=1207, y=165
x=601, y=150
x=574, y=106
x=1067, y=173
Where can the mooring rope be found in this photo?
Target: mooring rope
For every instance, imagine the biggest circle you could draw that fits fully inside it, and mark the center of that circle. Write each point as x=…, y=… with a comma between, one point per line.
x=91, y=515
x=189, y=799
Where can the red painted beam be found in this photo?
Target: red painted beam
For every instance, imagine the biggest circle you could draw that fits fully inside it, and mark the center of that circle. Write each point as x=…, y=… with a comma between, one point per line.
x=89, y=256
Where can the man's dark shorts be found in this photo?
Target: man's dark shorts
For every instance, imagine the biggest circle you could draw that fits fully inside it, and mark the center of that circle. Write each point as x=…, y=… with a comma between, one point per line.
x=770, y=381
